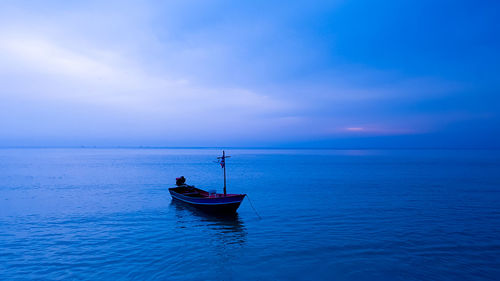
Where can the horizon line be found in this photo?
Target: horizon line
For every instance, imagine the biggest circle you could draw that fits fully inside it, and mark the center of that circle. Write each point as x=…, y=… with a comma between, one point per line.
x=243, y=147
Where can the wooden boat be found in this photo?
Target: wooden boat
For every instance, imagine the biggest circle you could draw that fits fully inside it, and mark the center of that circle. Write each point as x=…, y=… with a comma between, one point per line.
x=217, y=203
x=207, y=201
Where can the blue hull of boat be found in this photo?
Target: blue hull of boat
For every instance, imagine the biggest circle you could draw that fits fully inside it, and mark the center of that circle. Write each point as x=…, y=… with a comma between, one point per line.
x=228, y=204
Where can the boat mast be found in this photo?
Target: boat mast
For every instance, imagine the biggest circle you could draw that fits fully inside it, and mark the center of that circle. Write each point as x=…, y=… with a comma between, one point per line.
x=223, y=163
x=224, y=159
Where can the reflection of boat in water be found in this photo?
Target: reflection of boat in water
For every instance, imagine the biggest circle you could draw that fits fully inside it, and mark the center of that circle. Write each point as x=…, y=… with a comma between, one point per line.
x=227, y=229
x=207, y=201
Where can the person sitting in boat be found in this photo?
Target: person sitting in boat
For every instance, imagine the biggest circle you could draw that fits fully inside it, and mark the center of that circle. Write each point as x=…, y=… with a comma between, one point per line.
x=180, y=181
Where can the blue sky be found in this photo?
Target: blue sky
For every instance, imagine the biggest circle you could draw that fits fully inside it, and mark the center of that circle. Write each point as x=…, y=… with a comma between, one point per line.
x=261, y=73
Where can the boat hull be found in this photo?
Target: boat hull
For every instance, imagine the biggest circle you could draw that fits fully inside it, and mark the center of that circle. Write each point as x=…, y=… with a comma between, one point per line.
x=221, y=205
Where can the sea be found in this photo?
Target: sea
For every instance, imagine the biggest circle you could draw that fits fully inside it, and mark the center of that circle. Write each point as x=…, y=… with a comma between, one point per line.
x=310, y=214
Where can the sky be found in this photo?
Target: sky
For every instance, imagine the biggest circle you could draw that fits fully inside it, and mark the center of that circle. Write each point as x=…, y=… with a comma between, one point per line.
x=339, y=74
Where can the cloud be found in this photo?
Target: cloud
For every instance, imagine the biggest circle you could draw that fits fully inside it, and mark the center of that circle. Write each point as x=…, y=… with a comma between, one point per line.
x=210, y=73
x=108, y=84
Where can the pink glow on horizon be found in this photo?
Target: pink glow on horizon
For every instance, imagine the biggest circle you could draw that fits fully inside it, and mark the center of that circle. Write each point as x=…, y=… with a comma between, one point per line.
x=377, y=130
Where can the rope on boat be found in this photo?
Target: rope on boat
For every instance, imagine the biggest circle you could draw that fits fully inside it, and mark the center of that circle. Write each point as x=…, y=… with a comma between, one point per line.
x=253, y=207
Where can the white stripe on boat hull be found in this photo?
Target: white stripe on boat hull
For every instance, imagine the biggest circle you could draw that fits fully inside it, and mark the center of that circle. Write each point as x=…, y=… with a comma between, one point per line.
x=197, y=203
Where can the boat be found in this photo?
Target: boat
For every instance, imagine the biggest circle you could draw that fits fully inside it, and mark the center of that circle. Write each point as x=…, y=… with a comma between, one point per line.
x=209, y=201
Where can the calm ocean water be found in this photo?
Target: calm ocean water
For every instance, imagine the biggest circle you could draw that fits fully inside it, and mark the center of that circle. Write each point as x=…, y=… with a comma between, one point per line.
x=106, y=214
